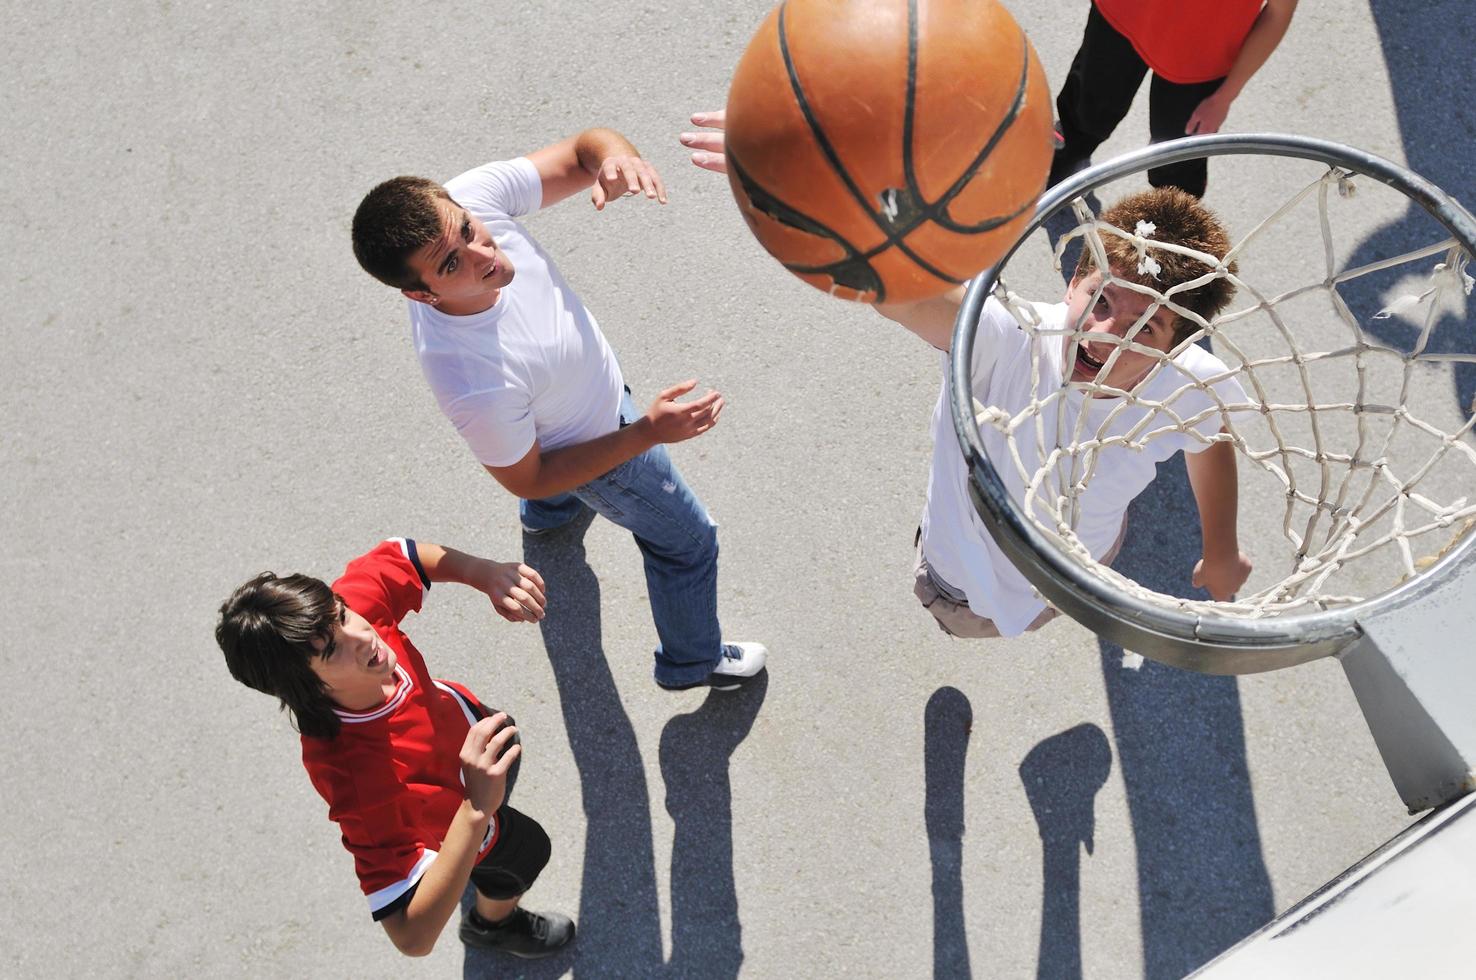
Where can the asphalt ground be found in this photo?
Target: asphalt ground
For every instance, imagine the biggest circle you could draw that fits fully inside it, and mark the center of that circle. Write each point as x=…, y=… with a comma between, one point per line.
x=200, y=384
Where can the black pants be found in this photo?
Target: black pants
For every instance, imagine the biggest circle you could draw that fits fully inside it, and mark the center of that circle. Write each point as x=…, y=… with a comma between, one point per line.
x=1105, y=76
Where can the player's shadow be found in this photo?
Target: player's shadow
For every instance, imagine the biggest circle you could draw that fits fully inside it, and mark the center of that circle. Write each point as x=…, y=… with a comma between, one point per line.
x=1430, y=76
x=619, y=926
x=1202, y=881
x=1062, y=775
x=706, y=937
x=947, y=722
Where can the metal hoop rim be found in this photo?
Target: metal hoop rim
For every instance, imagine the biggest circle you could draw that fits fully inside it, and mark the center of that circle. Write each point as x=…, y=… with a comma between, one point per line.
x=1220, y=645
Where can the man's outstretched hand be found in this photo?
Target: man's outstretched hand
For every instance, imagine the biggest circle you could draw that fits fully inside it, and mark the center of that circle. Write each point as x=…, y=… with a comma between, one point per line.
x=707, y=148
x=669, y=420
x=625, y=175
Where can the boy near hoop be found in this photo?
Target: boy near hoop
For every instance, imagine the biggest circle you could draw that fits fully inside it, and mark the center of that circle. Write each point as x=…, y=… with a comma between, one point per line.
x=960, y=574
x=415, y=771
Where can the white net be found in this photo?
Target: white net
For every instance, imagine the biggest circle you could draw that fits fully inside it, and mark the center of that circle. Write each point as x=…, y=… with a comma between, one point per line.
x=1354, y=433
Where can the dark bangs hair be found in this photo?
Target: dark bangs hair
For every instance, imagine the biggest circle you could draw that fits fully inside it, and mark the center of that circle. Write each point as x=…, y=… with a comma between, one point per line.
x=266, y=631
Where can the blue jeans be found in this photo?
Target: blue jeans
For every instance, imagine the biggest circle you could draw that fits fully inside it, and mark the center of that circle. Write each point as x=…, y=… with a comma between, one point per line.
x=678, y=541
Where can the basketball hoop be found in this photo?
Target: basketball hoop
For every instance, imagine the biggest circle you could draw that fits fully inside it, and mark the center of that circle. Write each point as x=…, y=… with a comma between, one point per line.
x=1377, y=490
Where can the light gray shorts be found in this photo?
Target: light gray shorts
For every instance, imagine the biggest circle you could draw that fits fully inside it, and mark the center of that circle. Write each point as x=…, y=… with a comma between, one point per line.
x=950, y=607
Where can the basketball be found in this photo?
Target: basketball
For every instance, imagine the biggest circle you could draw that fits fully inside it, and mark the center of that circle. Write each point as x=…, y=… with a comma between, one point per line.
x=887, y=150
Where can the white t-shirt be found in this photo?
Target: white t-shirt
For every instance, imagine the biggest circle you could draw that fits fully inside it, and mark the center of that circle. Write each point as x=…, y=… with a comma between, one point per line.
x=954, y=540
x=533, y=366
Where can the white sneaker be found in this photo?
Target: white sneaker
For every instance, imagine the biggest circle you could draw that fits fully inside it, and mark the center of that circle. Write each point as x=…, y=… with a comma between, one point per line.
x=740, y=663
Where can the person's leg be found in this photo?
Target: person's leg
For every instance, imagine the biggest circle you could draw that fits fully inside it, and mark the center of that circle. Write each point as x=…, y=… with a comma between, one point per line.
x=1099, y=90
x=1169, y=107
x=496, y=920
x=678, y=540
x=550, y=513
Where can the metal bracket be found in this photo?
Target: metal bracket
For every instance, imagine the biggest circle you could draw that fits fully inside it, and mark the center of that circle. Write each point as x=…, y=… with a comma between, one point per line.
x=1414, y=674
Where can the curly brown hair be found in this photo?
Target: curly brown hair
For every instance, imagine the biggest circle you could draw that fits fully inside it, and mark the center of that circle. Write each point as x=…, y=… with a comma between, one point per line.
x=1182, y=219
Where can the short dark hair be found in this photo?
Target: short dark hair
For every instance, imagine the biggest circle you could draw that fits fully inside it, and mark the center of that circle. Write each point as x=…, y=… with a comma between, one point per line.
x=394, y=221
x=266, y=631
x=1177, y=217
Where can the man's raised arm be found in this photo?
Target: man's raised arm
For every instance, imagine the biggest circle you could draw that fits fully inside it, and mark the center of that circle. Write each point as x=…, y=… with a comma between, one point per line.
x=601, y=157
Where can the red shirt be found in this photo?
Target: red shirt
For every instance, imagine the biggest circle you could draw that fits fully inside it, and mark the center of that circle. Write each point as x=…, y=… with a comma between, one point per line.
x=1184, y=41
x=392, y=775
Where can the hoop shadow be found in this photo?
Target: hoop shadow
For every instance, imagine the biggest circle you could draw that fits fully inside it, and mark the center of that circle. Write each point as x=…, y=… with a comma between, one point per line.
x=619, y=926
x=947, y=722
x=1426, y=68
x=1202, y=880
x=1062, y=775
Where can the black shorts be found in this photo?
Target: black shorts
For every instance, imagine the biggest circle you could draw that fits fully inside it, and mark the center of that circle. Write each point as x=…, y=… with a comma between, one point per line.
x=521, y=851
x=506, y=871
x=515, y=861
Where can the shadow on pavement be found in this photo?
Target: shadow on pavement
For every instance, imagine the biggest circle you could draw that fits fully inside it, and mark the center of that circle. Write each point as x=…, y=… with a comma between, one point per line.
x=619, y=926
x=947, y=721
x=1437, y=130
x=1202, y=881
x=1062, y=775
x=706, y=937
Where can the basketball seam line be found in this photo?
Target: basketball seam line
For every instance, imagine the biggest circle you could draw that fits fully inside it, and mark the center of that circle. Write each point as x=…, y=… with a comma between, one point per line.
x=834, y=160
x=936, y=210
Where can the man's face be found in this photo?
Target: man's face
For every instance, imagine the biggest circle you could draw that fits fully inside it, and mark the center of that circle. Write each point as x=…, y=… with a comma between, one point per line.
x=1113, y=313
x=463, y=268
x=357, y=663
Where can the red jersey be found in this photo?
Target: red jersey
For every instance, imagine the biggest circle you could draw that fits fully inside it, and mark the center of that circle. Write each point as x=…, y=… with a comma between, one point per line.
x=392, y=775
x=1184, y=41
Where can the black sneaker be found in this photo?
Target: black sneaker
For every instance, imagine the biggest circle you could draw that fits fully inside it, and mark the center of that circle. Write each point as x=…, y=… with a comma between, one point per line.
x=740, y=663
x=527, y=934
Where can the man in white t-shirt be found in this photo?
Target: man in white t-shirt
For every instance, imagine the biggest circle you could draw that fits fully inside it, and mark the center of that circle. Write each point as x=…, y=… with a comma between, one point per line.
x=960, y=575
x=520, y=367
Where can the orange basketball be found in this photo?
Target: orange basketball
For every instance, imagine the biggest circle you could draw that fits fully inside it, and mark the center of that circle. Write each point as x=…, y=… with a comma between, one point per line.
x=885, y=150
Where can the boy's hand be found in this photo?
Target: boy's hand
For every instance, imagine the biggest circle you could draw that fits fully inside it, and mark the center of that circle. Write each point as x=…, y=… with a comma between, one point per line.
x=515, y=589
x=1208, y=116
x=486, y=758
x=707, y=148
x=624, y=175
x=669, y=420
x=1222, y=577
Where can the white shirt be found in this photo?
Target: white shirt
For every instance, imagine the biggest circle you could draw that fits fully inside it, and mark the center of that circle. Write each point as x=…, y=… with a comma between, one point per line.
x=1008, y=365
x=533, y=366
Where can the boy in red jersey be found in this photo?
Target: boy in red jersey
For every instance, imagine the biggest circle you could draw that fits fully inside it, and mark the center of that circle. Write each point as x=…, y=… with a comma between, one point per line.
x=1201, y=53
x=415, y=770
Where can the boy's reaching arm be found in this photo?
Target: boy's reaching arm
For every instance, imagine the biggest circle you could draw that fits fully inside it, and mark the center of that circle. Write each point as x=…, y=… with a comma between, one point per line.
x=1265, y=34
x=931, y=319
x=515, y=590
x=601, y=157
x=486, y=758
x=1222, y=569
